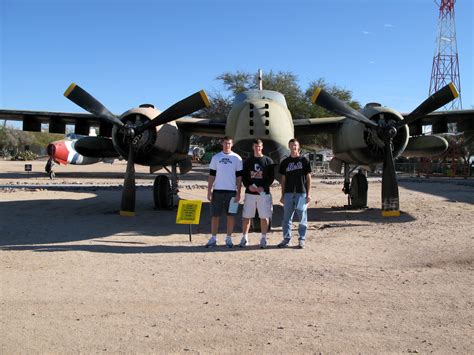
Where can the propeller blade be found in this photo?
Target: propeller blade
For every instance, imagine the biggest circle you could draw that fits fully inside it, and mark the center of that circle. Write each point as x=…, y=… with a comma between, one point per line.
x=432, y=103
x=83, y=99
x=333, y=104
x=182, y=108
x=390, y=201
x=128, y=193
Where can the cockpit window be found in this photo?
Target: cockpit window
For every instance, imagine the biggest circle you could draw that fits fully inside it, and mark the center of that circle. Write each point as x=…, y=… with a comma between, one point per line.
x=262, y=95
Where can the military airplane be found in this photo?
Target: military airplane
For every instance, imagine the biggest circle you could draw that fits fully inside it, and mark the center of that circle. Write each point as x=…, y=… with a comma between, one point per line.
x=145, y=136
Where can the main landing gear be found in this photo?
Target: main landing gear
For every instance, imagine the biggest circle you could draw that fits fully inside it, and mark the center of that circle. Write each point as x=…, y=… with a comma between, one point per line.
x=165, y=190
x=355, y=189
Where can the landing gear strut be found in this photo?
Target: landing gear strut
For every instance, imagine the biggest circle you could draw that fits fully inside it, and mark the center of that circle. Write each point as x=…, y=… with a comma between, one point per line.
x=165, y=190
x=347, y=183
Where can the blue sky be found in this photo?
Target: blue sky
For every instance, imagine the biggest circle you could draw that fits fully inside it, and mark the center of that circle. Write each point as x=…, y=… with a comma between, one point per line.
x=130, y=52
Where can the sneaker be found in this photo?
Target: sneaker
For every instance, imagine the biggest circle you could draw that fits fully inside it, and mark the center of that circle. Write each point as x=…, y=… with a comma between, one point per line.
x=243, y=242
x=263, y=243
x=212, y=242
x=284, y=243
x=301, y=244
x=228, y=242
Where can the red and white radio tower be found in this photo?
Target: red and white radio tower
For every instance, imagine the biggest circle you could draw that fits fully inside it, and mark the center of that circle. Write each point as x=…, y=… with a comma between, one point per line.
x=445, y=61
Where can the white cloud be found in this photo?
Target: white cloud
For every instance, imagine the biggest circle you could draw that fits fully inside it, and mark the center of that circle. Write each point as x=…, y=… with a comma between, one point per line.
x=389, y=25
x=366, y=33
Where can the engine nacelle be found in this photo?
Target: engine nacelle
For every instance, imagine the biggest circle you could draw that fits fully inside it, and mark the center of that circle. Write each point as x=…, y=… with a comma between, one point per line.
x=359, y=144
x=153, y=146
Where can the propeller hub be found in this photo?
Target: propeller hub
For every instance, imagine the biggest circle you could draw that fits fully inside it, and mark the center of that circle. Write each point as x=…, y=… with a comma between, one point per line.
x=130, y=131
x=392, y=132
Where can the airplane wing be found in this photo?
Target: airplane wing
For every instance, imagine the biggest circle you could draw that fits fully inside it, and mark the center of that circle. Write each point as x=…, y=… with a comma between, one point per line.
x=313, y=126
x=202, y=126
x=439, y=120
x=32, y=121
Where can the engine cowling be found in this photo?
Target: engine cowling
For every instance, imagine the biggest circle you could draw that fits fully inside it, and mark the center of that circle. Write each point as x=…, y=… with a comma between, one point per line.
x=359, y=144
x=153, y=146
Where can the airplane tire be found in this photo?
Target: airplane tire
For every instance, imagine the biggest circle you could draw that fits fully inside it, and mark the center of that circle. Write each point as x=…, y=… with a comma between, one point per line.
x=358, y=191
x=162, y=192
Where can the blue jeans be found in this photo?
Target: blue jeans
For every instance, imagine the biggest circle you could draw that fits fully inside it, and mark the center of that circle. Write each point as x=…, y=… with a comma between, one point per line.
x=295, y=202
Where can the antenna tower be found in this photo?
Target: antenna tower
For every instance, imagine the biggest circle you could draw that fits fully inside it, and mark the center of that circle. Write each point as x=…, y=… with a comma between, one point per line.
x=445, y=61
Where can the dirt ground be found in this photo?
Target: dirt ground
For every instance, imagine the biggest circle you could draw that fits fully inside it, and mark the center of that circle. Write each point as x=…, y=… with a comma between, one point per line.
x=77, y=277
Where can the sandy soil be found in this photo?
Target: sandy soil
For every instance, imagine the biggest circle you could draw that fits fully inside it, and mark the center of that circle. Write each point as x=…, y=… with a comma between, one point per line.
x=77, y=277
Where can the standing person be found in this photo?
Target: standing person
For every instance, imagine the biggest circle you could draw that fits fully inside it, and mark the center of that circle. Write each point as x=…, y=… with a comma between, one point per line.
x=258, y=175
x=49, y=168
x=295, y=193
x=224, y=183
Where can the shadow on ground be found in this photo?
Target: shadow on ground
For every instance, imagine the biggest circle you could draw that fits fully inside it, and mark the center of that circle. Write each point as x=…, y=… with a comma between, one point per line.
x=29, y=224
x=453, y=190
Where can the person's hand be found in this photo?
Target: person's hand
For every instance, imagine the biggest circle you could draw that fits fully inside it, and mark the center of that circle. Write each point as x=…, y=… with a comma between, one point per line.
x=308, y=199
x=260, y=189
x=209, y=195
x=237, y=197
x=252, y=188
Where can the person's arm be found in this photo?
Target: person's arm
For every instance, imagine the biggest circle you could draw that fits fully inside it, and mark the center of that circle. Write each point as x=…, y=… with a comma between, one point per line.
x=269, y=176
x=282, y=183
x=246, y=175
x=210, y=183
x=239, y=188
x=238, y=178
x=308, y=187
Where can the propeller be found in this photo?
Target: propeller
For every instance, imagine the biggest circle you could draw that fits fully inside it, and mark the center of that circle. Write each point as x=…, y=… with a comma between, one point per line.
x=83, y=99
x=333, y=104
x=182, y=108
x=432, y=103
x=387, y=131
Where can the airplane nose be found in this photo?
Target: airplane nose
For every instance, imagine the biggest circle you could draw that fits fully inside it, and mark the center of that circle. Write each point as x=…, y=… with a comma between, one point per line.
x=58, y=151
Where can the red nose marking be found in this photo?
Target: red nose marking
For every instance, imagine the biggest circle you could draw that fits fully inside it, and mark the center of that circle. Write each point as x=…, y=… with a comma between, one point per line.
x=58, y=151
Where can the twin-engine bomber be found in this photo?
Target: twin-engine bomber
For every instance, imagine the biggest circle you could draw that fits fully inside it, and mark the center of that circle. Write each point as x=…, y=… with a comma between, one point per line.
x=146, y=136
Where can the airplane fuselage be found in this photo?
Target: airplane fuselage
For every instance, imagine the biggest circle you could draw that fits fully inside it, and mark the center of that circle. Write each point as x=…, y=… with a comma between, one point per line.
x=260, y=114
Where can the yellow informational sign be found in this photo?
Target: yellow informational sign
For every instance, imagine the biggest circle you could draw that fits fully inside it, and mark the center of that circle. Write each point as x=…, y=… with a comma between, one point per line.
x=189, y=212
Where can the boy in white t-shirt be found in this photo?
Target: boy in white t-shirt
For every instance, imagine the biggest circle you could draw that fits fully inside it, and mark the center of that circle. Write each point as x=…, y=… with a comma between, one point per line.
x=224, y=183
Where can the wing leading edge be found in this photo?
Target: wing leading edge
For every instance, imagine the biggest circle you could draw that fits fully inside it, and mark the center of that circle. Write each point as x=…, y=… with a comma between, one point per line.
x=313, y=126
x=32, y=121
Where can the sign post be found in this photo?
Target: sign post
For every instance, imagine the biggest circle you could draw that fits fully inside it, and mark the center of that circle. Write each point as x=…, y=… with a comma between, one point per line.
x=189, y=212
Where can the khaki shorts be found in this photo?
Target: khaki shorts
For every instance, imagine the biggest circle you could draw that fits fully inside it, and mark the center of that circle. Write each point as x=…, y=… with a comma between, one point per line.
x=262, y=203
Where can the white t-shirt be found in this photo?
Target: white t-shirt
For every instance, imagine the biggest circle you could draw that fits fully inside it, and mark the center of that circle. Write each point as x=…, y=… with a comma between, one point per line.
x=226, y=165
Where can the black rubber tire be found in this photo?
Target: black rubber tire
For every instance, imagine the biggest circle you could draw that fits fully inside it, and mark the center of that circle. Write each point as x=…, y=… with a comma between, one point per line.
x=162, y=193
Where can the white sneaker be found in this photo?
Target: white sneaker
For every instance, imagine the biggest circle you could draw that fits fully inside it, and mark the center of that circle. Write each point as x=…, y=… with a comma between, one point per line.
x=243, y=242
x=212, y=242
x=228, y=242
x=263, y=243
